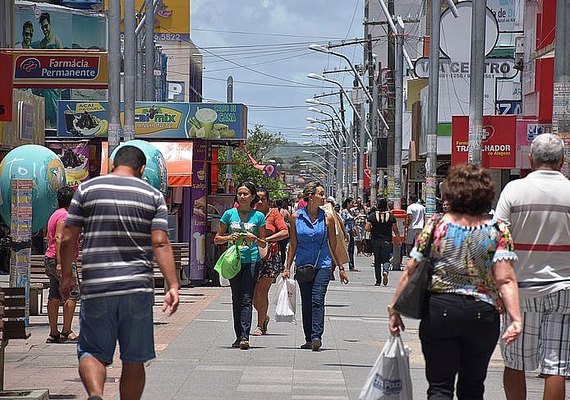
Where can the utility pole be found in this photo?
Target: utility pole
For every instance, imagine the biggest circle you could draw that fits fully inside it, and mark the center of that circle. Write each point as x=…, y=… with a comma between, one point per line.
x=375, y=137
x=114, y=34
x=398, y=113
x=348, y=156
x=476, y=80
x=373, y=105
x=362, y=146
x=391, y=101
x=149, y=89
x=229, y=183
x=129, y=51
x=561, y=109
x=433, y=99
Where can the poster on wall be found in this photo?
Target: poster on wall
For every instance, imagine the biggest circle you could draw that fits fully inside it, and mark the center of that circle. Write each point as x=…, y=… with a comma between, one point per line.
x=75, y=159
x=199, y=214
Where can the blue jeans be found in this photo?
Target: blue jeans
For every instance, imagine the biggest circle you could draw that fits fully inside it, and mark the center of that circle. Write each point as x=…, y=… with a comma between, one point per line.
x=350, y=250
x=242, y=286
x=313, y=304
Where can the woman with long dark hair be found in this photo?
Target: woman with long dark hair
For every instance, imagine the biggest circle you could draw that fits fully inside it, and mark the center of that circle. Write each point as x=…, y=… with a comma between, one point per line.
x=246, y=227
x=381, y=223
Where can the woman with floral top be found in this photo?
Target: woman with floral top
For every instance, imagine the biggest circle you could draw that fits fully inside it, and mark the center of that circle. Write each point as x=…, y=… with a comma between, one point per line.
x=472, y=282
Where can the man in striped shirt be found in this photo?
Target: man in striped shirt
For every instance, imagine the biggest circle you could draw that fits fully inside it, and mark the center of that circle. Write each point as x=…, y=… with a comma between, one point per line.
x=538, y=209
x=124, y=222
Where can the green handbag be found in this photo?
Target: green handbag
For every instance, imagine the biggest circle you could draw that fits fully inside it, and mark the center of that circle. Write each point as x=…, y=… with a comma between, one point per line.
x=229, y=263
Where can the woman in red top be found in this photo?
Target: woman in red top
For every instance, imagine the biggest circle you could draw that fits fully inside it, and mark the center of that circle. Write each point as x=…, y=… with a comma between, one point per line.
x=271, y=266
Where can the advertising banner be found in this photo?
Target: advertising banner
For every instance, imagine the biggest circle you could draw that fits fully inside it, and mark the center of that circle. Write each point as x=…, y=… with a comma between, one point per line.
x=6, y=93
x=60, y=69
x=218, y=122
x=75, y=159
x=527, y=131
x=199, y=214
x=498, y=145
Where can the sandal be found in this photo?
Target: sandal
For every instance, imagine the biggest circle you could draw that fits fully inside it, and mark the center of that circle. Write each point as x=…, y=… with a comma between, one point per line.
x=54, y=338
x=69, y=336
x=258, y=331
x=265, y=325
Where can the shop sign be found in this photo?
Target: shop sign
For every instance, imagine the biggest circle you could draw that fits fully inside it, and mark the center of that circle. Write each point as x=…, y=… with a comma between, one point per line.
x=75, y=159
x=6, y=92
x=60, y=69
x=162, y=120
x=498, y=144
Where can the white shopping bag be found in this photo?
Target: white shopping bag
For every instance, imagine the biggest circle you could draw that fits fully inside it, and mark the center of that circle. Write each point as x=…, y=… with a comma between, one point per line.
x=286, y=297
x=390, y=377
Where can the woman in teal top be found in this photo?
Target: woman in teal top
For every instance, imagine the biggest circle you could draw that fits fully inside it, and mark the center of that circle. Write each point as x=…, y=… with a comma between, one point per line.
x=313, y=236
x=247, y=228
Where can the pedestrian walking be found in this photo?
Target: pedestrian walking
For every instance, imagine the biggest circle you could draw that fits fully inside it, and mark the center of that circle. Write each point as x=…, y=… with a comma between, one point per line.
x=538, y=210
x=312, y=240
x=283, y=208
x=52, y=262
x=349, y=228
x=381, y=224
x=416, y=213
x=272, y=266
x=245, y=226
x=472, y=281
x=124, y=221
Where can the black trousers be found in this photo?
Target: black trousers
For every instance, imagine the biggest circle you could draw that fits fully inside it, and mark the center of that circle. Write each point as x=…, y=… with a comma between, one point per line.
x=458, y=336
x=382, y=252
x=243, y=285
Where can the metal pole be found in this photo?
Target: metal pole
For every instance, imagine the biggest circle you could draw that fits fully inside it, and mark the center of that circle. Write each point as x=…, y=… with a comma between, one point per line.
x=391, y=102
x=129, y=50
x=114, y=33
x=228, y=183
x=398, y=113
x=476, y=80
x=374, y=150
x=6, y=22
x=433, y=99
x=149, y=51
x=140, y=73
x=560, y=114
x=362, y=148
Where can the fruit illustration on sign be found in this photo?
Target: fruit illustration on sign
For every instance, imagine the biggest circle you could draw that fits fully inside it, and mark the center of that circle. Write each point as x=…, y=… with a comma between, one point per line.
x=203, y=126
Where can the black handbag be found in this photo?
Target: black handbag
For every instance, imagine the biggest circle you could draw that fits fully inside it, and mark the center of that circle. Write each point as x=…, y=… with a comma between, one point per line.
x=306, y=273
x=411, y=301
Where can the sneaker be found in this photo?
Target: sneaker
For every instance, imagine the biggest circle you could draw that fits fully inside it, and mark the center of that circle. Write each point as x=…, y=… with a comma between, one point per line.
x=385, y=278
x=316, y=344
x=306, y=346
x=377, y=284
x=235, y=344
x=244, y=344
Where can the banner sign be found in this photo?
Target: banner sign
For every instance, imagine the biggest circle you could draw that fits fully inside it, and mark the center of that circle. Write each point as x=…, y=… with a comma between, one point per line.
x=498, y=144
x=75, y=159
x=216, y=122
x=6, y=92
x=199, y=214
x=60, y=69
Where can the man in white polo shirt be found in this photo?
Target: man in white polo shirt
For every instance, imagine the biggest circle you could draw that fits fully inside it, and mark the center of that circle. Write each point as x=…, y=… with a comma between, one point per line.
x=538, y=209
x=416, y=216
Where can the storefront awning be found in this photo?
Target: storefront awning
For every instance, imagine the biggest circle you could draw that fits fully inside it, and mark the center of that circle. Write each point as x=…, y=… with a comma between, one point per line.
x=178, y=157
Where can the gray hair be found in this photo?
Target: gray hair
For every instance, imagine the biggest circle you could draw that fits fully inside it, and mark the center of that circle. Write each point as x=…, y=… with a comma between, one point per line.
x=547, y=149
x=310, y=188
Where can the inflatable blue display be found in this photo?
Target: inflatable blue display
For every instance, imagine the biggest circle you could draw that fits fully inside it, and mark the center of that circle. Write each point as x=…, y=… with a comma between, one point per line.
x=155, y=172
x=41, y=165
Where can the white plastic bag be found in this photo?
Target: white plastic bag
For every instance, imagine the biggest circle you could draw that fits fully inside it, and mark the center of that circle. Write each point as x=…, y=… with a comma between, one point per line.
x=286, y=296
x=390, y=377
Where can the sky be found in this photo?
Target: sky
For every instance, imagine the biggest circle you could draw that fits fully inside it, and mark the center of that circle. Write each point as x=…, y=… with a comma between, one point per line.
x=263, y=45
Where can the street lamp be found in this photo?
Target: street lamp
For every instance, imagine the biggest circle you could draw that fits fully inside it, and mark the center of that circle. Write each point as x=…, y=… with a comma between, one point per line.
x=320, y=103
x=320, y=156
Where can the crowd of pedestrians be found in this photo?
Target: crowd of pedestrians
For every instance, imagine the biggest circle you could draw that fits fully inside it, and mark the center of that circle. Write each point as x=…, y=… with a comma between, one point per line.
x=494, y=276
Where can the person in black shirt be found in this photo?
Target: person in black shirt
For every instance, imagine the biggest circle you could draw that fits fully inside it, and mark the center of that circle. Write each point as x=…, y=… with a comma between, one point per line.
x=381, y=223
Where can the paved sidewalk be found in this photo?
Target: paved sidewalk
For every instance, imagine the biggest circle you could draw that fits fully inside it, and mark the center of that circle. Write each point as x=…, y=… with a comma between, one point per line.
x=195, y=359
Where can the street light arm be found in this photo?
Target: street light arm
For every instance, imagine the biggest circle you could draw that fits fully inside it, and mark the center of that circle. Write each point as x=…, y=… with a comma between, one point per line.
x=318, y=155
x=316, y=102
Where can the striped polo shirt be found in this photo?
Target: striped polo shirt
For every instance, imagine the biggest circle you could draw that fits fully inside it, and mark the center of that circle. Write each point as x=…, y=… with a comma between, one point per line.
x=117, y=214
x=538, y=210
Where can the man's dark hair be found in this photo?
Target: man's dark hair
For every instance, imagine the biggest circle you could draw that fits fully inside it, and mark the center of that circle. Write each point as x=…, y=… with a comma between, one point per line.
x=44, y=16
x=413, y=198
x=64, y=196
x=27, y=24
x=130, y=156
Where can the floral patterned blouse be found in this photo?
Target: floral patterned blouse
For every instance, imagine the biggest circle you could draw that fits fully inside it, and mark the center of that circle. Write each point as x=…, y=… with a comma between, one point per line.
x=463, y=256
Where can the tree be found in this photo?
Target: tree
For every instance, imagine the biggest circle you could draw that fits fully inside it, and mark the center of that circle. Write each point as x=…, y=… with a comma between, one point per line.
x=259, y=143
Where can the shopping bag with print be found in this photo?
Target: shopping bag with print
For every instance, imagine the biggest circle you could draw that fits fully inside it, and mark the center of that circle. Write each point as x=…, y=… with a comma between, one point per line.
x=286, y=300
x=390, y=377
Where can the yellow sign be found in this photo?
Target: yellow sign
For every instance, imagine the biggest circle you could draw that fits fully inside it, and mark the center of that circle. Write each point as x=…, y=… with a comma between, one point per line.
x=172, y=22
